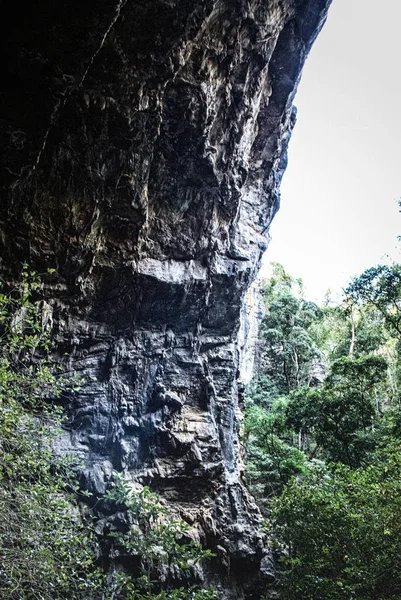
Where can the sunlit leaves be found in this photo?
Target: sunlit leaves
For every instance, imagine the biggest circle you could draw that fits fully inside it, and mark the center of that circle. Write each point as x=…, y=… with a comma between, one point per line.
x=380, y=286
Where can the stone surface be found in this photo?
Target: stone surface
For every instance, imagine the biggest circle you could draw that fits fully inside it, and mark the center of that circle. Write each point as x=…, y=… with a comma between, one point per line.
x=144, y=143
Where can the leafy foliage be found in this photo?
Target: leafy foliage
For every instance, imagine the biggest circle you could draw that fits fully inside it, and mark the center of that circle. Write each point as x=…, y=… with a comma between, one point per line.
x=280, y=283
x=46, y=551
x=342, y=413
x=342, y=531
x=272, y=459
x=335, y=519
x=162, y=545
x=380, y=287
x=289, y=349
x=347, y=329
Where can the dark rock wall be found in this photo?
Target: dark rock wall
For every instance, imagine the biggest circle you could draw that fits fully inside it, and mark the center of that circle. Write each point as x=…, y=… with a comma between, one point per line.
x=143, y=147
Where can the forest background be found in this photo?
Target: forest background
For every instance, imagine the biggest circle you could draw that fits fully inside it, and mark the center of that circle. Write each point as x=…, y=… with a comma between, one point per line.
x=323, y=436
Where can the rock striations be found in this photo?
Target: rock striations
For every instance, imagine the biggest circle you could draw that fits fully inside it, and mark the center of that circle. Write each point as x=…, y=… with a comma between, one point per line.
x=143, y=146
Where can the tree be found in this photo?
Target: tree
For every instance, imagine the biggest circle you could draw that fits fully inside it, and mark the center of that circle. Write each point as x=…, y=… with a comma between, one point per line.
x=279, y=284
x=272, y=459
x=336, y=518
x=342, y=413
x=348, y=329
x=288, y=348
x=46, y=550
x=342, y=531
x=380, y=287
x=288, y=355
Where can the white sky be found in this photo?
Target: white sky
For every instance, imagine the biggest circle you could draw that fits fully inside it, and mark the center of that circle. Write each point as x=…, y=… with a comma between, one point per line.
x=339, y=213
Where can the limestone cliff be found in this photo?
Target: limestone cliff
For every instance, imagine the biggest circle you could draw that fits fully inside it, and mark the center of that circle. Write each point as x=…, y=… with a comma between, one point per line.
x=143, y=146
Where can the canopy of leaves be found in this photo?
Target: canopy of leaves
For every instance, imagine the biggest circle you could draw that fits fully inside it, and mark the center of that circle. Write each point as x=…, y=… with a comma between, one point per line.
x=343, y=412
x=325, y=458
x=288, y=348
x=380, y=287
x=288, y=354
x=272, y=459
x=342, y=531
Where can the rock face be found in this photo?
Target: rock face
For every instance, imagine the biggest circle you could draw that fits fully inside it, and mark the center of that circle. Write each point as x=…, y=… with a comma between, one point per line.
x=143, y=147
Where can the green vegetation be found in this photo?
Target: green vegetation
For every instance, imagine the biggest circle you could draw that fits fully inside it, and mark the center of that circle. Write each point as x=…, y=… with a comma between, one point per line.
x=161, y=545
x=45, y=549
x=323, y=437
x=48, y=550
x=342, y=529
